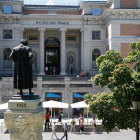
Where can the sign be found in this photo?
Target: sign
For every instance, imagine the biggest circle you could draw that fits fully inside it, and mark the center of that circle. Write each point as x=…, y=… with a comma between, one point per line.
x=21, y=104
x=80, y=85
x=52, y=85
x=52, y=22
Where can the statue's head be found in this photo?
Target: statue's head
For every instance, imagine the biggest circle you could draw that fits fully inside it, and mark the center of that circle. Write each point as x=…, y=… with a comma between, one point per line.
x=24, y=42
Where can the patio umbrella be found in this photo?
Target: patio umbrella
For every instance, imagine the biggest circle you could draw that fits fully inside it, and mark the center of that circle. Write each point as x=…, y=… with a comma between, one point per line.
x=81, y=104
x=4, y=106
x=54, y=104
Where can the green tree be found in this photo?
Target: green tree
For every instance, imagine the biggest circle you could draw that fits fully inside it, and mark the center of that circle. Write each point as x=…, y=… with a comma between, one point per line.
x=114, y=72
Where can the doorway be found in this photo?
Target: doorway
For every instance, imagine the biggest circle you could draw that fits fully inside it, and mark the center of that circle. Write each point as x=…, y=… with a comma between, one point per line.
x=52, y=55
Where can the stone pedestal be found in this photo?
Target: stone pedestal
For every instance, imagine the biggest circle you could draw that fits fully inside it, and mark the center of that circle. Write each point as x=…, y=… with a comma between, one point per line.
x=25, y=117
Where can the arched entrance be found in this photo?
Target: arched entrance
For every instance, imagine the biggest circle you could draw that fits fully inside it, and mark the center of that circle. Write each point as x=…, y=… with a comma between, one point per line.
x=52, y=53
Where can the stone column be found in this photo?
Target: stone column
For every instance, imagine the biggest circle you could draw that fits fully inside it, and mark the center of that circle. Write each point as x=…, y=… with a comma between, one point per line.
x=41, y=51
x=63, y=52
x=82, y=48
x=21, y=35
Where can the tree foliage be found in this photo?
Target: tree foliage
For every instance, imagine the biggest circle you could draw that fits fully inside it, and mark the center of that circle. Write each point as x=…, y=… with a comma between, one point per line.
x=114, y=107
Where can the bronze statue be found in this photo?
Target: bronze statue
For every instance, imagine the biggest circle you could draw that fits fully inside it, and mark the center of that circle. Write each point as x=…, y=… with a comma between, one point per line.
x=22, y=56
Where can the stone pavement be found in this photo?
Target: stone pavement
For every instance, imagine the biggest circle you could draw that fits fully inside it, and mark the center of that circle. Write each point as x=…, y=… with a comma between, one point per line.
x=99, y=135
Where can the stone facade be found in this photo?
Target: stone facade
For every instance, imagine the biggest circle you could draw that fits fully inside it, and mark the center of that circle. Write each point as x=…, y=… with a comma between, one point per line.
x=117, y=23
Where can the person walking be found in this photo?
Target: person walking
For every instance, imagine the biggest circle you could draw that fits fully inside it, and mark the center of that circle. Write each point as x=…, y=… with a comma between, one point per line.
x=47, y=117
x=82, y=73
x=79, y=118
x=73, y=122
x=53, y=130
x=82, y=124
x=65, y=131
x=93, y=124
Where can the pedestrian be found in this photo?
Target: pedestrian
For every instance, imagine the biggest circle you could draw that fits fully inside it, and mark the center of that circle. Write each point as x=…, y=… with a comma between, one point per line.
x=82, y=73
x=71, y=70
x=77, y=76
x=47, y=117
x=65, y=131
x=82, y=124
x=79, y=118
x=60, y=116
x=46, y=70
x=73, y=122
x=53, y=70
x=93, y=124
x=53, y=130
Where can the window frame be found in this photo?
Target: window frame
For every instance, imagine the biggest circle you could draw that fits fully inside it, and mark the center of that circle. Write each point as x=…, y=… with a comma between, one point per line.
x=49, y=12
x=96, y=8
x=2, y=29
x=1, y=60
x=95, y=35
x=32, y=35
x=72, y=41
x=4, y=9
x=7, y=30
x=96, y=57
x=7, y=55
x=101, y=51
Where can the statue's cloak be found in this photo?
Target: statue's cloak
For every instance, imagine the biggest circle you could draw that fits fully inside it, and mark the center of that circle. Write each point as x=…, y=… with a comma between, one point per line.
x=22, y=56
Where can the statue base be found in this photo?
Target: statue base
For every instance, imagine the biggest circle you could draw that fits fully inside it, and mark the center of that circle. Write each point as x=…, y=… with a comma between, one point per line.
x=24, y=118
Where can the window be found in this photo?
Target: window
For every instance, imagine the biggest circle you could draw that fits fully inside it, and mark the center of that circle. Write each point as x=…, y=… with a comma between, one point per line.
x=96, y=35
x=7, y=9
x=95, y=54
x=32, y=37
x=96, y=11
x=7, y=34
x=7, y=63
x=52, y=13
x=71, y=38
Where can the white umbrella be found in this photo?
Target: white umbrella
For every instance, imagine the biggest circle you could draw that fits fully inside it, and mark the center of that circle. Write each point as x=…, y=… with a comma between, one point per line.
x=4, y=106
x=54, y=104
x=81, y=104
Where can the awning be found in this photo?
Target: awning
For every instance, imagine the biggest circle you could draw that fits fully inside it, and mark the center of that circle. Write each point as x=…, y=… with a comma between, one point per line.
x=52, y=95
x=78, y=95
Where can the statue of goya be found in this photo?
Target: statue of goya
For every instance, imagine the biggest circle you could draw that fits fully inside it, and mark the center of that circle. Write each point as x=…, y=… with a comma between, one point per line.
x=22, y=56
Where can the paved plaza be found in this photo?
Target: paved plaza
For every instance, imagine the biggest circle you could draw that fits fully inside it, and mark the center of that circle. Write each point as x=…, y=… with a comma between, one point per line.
x=88, y=134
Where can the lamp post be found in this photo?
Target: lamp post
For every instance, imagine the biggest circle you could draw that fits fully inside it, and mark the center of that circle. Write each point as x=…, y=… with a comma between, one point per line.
x=136, y=106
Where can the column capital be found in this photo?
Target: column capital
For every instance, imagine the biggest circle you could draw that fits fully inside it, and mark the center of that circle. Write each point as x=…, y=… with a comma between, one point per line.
x=81, y=30
x=63, y=29
x=23, y=29
x=42, y=29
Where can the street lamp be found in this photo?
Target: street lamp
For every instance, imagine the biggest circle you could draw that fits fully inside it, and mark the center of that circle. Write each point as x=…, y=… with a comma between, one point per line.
x=136, y=106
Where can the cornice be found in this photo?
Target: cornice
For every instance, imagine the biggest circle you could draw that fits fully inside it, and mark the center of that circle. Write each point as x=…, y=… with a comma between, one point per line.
x=52, y=17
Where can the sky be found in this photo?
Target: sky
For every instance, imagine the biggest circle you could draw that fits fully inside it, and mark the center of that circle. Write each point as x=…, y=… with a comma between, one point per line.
x=75, y=2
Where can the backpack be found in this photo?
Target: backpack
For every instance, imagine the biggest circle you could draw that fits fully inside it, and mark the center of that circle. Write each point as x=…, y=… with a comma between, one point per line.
x=73, y=122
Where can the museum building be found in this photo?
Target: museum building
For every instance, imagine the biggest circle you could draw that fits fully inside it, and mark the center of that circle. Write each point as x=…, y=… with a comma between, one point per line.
x=65, y=36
